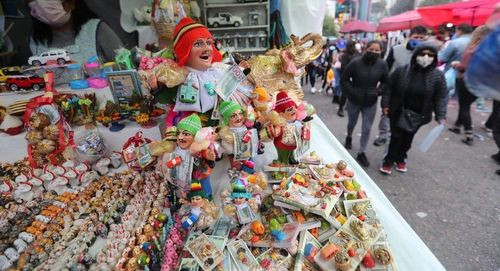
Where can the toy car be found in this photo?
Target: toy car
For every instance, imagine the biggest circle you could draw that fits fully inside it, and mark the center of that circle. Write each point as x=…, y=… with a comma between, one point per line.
x=15, y=83
x=225, y=18
x=10, y=71
x=60, y=56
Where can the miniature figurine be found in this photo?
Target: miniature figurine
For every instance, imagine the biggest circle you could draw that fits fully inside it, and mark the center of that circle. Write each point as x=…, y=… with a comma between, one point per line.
x=238, y=140
x=182, y=166
x=291, y=136
x=243, y=206
x=196, y=75
x=201, y=214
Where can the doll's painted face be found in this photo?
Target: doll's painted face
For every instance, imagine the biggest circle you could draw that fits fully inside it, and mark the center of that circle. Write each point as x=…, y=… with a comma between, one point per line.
x=200, y=57
x=196, y=201
x=239, y=201
x=290, y=114
x=184, y=139
x=236, y=119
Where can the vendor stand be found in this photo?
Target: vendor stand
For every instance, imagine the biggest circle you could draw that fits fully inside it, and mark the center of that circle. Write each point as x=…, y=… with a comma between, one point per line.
x=238, y=173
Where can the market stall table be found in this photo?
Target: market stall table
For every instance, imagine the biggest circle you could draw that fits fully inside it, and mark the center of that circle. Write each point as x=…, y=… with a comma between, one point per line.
x=410, y=252
x=16, y=146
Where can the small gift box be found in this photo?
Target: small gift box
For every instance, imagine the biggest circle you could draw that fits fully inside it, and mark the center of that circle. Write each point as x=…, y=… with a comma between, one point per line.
x=135, y=152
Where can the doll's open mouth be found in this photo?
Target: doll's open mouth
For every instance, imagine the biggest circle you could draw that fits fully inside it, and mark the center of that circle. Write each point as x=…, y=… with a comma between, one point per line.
x=205, y=56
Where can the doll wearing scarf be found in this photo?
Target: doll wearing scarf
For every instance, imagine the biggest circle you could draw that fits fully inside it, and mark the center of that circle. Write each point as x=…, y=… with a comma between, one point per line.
x=238, y=140
x=196, y=52
x=293, y=134
x=181, y=166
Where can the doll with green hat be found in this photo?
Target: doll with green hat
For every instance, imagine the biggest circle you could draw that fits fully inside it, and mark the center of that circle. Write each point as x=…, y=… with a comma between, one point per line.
x=181, y=166
x=238, y=141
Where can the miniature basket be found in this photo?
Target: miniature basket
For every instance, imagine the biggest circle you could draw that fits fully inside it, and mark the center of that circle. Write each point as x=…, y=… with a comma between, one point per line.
x=165, y=30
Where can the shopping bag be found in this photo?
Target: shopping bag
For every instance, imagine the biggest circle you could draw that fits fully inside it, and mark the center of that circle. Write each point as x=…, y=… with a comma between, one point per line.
x=426, y=143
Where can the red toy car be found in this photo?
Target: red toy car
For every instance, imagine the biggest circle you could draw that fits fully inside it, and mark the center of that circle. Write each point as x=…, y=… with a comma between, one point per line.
x=16, y=83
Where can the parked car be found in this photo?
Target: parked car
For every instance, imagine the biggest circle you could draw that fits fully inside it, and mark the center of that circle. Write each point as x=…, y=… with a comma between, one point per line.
x=16, y=83
x=224, y=18
x=59, y=56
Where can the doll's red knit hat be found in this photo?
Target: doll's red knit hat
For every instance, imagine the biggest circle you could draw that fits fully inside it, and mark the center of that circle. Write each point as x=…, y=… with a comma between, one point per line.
x=186, y=33
x=283, y=102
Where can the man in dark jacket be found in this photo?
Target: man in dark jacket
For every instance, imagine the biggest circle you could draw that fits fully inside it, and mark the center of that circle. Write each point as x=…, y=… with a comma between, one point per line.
x=416, y=89
x=363, y=80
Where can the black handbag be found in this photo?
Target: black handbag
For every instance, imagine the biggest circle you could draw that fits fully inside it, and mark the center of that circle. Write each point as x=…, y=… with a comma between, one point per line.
x=409, y=120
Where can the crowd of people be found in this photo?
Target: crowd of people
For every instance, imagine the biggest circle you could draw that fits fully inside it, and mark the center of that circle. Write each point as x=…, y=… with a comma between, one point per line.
x=415, y=79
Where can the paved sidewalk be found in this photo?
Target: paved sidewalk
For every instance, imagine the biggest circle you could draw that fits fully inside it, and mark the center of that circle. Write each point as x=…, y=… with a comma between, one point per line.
x=450, y=195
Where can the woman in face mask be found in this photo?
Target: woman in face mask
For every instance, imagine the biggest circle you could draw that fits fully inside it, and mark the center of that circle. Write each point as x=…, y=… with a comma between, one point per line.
x=363, y=80
x=413, y=93
x=70, y=25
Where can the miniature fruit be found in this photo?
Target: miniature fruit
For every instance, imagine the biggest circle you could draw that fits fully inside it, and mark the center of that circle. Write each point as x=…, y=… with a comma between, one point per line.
x=348, y=185
x=257, y=227
x=356, y=185
x=341, y=219
x=368, y=261
x=351, y=252
x=255, y=239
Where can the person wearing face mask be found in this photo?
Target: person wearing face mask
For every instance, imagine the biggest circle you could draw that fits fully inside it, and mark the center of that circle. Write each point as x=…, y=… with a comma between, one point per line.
x=72, y=26
x=416, y=90
x=398, y=56
x=363, y=80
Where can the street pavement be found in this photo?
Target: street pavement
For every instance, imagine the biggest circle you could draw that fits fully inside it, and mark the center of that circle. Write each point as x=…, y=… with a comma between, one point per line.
x=449, y=195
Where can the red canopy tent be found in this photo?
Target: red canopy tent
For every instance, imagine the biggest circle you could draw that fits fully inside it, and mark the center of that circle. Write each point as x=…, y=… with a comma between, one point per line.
x=357, y=26
x=405, y=20
x=474, y=12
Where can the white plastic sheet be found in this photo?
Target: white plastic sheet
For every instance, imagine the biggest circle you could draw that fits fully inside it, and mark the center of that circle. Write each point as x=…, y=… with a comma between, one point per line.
x=303, y=16
x=429, y=139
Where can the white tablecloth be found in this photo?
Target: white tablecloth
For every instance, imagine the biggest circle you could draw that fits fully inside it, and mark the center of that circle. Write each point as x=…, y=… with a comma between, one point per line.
x=410, y=251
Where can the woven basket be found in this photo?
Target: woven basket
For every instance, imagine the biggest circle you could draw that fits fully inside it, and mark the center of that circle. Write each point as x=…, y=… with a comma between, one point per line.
x=165, y=30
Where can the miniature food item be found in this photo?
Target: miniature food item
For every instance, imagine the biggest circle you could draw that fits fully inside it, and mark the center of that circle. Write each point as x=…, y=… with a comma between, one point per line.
x=257, y=227
x=359, y=230
x=383, y=256
x=39, y=121
x=342, y=261
x=34, y=137
x=46, y=146
x=328, y=251
x=341, y=165
x=51, y=132
x=368, y=261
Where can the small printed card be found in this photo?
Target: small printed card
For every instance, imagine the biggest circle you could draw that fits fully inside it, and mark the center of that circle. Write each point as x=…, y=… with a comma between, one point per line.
x=242, y=256
x=205, y=252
